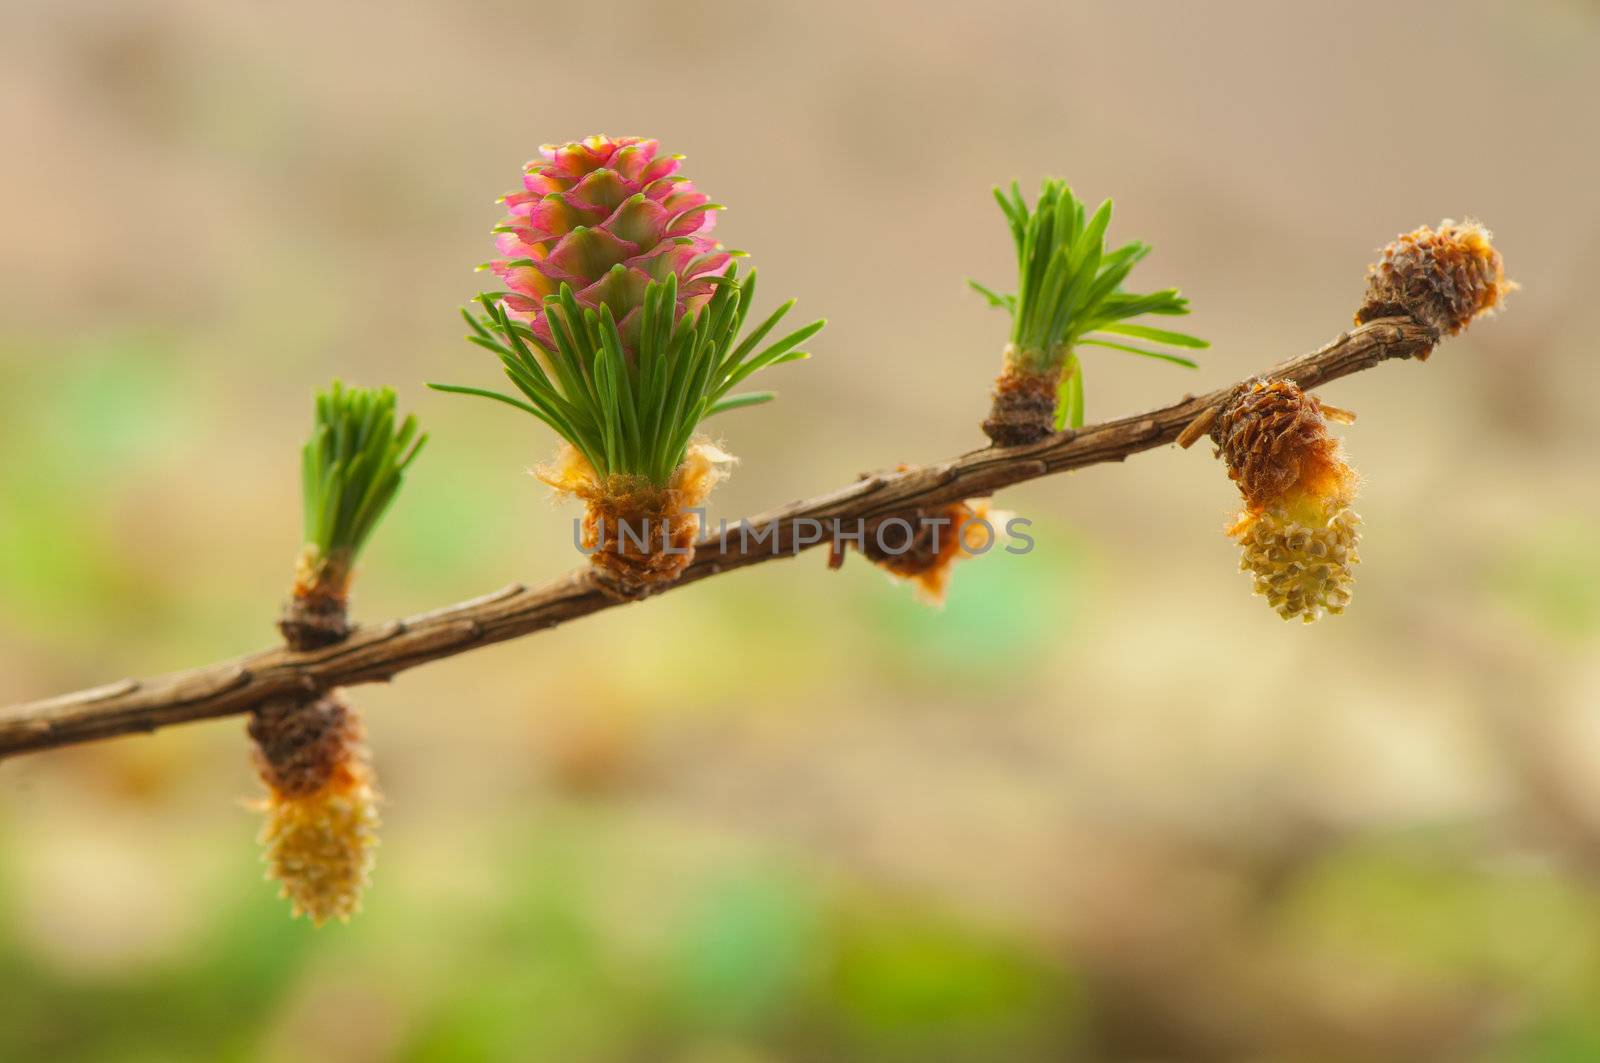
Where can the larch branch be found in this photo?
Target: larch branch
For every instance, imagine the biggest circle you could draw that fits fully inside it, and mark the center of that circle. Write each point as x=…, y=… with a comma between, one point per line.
x=377, y=652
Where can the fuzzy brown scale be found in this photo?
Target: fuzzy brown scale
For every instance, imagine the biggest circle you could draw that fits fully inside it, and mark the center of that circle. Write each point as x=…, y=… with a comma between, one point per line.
x=928, y=543
x=313, y=623
x=1442, y=279
x=921, y=546
x=317, y=612
x=301, y=743
x=1024, y=406
x=1273, y=438
x=637, y=533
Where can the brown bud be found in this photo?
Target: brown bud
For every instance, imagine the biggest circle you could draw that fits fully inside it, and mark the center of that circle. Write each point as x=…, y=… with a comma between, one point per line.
x=301, y=743
x=316, y=614
x=1024, y=406
x=1442, y=279
x=1274, y=439
x=933, y=539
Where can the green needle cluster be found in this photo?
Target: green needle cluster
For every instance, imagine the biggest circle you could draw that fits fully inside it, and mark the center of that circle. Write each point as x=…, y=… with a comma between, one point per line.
x=1070, y=291
x=630, y=407
x=352, y=467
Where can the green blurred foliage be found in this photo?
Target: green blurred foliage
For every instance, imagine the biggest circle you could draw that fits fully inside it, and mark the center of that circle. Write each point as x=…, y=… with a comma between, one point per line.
x=215, y=1003
x=1553, y=576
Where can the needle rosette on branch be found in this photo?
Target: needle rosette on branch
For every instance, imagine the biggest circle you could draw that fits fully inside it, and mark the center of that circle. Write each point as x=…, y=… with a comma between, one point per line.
x=321, y=804
x=622, y=331
x=1069, y=294
x=351, y=469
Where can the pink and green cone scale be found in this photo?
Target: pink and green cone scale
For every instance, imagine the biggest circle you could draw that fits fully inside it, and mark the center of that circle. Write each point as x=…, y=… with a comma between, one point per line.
x=619, y=325
x=606, y=216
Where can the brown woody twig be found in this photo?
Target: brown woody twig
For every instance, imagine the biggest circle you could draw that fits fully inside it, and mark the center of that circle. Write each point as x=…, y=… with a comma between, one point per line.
x=377, y=652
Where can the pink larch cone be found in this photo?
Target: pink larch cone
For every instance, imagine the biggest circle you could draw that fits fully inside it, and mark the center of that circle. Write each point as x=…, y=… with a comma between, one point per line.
x=607, y=217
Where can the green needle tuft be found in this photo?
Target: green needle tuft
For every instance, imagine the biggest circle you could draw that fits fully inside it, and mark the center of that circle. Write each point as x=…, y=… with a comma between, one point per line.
x=631, y=408
x=352, y=467
x=1070, y=291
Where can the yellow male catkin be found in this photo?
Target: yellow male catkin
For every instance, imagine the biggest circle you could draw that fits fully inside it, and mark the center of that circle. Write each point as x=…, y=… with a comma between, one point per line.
x=1297, y=530
x=321, y=804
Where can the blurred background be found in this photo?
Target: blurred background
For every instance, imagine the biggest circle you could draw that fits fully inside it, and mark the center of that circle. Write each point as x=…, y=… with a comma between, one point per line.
x=1103, y=806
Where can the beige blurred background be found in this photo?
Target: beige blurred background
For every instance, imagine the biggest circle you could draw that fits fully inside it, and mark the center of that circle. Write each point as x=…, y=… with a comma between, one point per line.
x=1103, y=806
